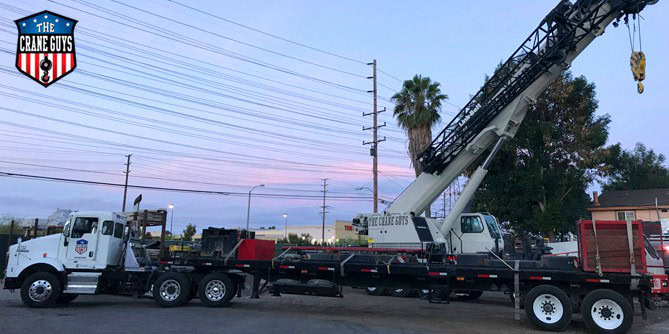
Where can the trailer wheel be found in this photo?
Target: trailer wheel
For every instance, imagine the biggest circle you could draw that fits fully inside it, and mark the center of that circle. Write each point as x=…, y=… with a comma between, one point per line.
x=374, y=291
x=216, y=290
x=606, y=311
x=401, y=292
x=40, y=290
x=549, y=308
x=171, y=289
x=66, y=298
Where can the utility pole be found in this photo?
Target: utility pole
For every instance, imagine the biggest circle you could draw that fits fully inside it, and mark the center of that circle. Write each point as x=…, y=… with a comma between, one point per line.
x=373, y=151
x=125, y=189
x=325, y=185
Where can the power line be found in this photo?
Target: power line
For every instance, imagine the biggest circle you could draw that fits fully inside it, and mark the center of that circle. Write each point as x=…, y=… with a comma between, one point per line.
x=237, y=41
x=268, y=34
x=184, y=190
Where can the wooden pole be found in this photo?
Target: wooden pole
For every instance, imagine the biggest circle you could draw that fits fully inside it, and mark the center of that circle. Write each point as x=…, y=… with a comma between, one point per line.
x=162, y=235
x=146, y=216
x=11, y=234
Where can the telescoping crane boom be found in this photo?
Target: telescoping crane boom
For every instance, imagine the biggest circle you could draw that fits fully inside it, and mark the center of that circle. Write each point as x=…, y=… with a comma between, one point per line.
x=492, y=116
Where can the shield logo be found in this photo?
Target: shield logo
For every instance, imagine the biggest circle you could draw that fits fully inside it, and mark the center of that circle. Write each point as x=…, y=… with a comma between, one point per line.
x=81, y=247
x=45, y=48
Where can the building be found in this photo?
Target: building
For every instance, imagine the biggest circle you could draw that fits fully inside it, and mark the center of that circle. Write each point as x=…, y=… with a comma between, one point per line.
x=341, y=231
x=632, y=205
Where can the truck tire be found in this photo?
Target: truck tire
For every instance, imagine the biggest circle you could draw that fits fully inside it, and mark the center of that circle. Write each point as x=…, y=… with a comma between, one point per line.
x=401, y=292
x=171, y=289
x=606, y=311
x=374, y=291
x=40, y=290
x=216, y=290
x=549, y=308
x=437, y=294
x=469, y=296
x=66, y=298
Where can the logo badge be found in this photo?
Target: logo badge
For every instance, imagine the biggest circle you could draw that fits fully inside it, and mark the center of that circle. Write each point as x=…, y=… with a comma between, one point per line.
x=82, y=246
x=45, y=50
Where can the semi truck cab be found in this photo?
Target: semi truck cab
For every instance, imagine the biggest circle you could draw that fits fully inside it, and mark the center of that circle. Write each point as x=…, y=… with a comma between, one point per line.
x=91, y=241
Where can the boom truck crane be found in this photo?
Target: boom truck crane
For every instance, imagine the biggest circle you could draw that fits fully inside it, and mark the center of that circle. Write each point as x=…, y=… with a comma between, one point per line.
x=97, y=254
x=492, y=117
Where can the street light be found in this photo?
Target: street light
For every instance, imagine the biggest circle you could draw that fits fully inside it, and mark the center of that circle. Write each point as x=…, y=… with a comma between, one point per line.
x=285, y=232
x=363, y=188
x=171, y=206
x=248, y=210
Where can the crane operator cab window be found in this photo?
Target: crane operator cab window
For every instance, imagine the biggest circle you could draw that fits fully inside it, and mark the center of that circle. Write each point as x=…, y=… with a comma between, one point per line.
x=83, y=225
x=471, y=224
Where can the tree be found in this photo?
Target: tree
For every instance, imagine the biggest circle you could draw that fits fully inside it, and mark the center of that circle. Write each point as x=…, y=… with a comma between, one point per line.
x=189, y=232
x=293, y=239
x=417, y=107
x=640, y=168
x=538, y=181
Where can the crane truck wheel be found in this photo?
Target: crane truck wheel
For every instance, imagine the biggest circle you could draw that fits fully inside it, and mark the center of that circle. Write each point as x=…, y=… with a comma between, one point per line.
x=606, y=311
x=216, y=290
x=401, y=292
x=374, y=291
x=66, y=298
x=40, y=290
x=171, y=289
x=549, y=308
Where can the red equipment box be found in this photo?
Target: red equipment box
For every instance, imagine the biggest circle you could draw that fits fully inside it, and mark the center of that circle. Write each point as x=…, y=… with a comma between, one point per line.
x=614, y=253
x=254, y=249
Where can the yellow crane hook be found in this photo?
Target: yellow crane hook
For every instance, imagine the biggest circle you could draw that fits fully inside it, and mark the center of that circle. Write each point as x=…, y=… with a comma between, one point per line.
x=638, y=66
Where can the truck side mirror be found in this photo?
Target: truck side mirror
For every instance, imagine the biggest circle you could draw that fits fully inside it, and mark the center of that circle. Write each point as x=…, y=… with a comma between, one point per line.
x=66, y=233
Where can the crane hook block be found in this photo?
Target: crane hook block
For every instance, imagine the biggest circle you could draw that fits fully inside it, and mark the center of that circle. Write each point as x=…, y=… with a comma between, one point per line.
x=638, y=66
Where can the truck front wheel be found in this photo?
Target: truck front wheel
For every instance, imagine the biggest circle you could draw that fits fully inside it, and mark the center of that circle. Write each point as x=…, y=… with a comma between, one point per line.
x=606, y=311
x=41, y=290
x=549, y=308
x=171, y=289
x=216, y=290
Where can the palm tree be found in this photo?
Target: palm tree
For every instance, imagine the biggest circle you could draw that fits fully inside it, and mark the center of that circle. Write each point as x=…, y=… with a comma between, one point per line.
x=417, y=107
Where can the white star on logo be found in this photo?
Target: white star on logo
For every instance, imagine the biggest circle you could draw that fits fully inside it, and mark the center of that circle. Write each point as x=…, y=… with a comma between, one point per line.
x=67, y=24
x=56, y=20
x=24, y=24
x=45, y=16
x=34, y=20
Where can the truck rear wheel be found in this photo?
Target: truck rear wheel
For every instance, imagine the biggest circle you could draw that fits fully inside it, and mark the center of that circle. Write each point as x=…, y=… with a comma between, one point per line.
x=606, y=311
x=374, y=291
x=400, y=292
x=216, y=290
x=171, y=289
x=549, y=308
x=40, y=290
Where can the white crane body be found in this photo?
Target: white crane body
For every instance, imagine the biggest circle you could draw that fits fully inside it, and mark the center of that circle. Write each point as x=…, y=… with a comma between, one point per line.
x=550, y=50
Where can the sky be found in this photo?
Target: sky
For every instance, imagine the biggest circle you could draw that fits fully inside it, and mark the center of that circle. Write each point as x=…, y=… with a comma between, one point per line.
x=227, y=95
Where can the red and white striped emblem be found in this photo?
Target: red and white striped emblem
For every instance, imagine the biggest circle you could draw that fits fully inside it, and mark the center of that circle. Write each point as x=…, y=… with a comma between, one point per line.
x=30, y=64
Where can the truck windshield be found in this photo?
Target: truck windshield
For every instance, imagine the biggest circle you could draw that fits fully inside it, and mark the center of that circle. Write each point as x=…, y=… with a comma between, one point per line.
x=492, y=226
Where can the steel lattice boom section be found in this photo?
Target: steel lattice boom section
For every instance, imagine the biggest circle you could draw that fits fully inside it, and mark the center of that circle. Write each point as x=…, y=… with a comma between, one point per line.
x=559, y=32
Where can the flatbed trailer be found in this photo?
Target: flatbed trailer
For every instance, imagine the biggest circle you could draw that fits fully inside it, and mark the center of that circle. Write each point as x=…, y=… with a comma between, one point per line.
x=550, y=290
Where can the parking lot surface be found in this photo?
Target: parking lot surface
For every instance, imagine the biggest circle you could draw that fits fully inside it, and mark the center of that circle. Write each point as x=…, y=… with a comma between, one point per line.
x=357, y=312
